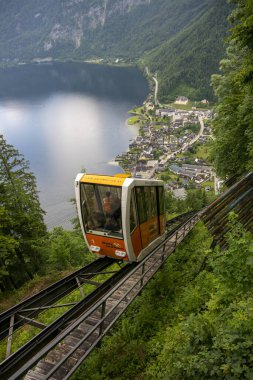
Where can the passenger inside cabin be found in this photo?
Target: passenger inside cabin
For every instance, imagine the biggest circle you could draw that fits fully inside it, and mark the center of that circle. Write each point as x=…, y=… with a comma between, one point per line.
x=107, y=204
x=116, y=210
x=112, y=210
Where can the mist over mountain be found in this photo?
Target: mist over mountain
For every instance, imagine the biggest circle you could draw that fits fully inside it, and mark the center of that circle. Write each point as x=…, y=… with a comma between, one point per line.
x=181, y=40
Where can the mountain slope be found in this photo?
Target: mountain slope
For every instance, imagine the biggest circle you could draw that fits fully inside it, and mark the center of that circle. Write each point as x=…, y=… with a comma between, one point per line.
x=186, y=62
x=81, y=28
x=161, y=30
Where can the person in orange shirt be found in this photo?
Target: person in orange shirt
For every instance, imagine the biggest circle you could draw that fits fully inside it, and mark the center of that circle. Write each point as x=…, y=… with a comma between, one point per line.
x=107, y=204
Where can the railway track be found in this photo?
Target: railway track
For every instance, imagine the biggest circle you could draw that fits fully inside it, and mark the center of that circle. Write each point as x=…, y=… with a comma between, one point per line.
x=177, y=220
x=59, y=348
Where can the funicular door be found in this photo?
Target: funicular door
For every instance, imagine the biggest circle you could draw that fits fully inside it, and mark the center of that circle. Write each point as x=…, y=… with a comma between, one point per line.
x=134, y=226
x=148, y=213
x=161, y=209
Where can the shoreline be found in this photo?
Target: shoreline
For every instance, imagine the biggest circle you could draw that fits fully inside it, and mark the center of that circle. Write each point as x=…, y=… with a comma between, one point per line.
x=48, y=60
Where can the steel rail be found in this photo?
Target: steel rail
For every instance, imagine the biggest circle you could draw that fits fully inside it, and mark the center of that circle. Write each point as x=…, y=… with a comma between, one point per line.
x=180, y=218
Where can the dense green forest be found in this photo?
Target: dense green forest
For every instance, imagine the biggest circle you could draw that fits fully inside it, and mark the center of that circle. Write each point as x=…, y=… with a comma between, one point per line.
x=233, y=124
x=182, y=40
x=186, y=62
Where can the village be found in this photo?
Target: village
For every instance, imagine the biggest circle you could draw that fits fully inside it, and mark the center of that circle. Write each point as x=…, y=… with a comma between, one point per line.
x=173, y=145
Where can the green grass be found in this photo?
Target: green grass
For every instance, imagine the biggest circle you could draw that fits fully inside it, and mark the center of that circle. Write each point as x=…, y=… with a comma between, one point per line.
x=207, y=183
x=157, y=127
x=133, y=120
x=138, y=121
x=137, y=110
x=203, y=152
x=187, y=107
x=30, y=288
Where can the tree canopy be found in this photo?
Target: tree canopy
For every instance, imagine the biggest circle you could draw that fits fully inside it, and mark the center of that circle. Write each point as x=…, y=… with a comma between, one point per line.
x=233, y=123
x=21, y=222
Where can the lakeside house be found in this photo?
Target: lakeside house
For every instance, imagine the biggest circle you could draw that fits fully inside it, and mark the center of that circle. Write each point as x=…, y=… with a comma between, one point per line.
x=165, y=112
x=149, y=106
x=193, y=172
x=181, y=100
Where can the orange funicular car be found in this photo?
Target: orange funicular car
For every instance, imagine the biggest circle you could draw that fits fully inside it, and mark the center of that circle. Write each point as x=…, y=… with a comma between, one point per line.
x=120, y=217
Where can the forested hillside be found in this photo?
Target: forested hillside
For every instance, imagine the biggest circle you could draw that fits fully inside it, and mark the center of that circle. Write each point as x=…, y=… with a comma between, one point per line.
x=233, y=124
x=173, y=35
x=185, y=62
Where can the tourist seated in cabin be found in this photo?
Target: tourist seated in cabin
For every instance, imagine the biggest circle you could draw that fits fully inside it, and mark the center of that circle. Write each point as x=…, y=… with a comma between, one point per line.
x=107, y=204
x=116, y=210
x=112, y=210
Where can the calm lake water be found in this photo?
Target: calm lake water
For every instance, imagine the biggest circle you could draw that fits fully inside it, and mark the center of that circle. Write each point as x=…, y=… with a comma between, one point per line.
x=65, y=117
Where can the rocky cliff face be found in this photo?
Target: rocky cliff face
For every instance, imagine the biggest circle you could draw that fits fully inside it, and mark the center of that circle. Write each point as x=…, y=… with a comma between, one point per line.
x=78, y=18
x=64, y=28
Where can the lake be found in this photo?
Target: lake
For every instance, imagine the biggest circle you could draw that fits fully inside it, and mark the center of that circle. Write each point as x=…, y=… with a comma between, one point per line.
x=64, y=117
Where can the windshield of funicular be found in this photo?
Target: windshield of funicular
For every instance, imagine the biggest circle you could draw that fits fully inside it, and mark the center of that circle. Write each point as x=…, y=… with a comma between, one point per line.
x=101, y=209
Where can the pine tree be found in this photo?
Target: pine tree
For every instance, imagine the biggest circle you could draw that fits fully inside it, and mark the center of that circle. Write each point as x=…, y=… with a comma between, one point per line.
x=22, y=217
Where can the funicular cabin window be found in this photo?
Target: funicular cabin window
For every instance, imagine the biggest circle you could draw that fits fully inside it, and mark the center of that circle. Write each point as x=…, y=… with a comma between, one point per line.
x=146, y=202
x=101, y=209
x=152, y=208
x=162, y=218
x=152, y=205
x=141, y=204
x=161, y=200
x=133, y=215
x=147, y=205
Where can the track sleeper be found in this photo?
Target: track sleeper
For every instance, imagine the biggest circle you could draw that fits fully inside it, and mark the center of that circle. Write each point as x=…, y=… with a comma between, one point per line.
x=32, y=375
x=91, y=321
